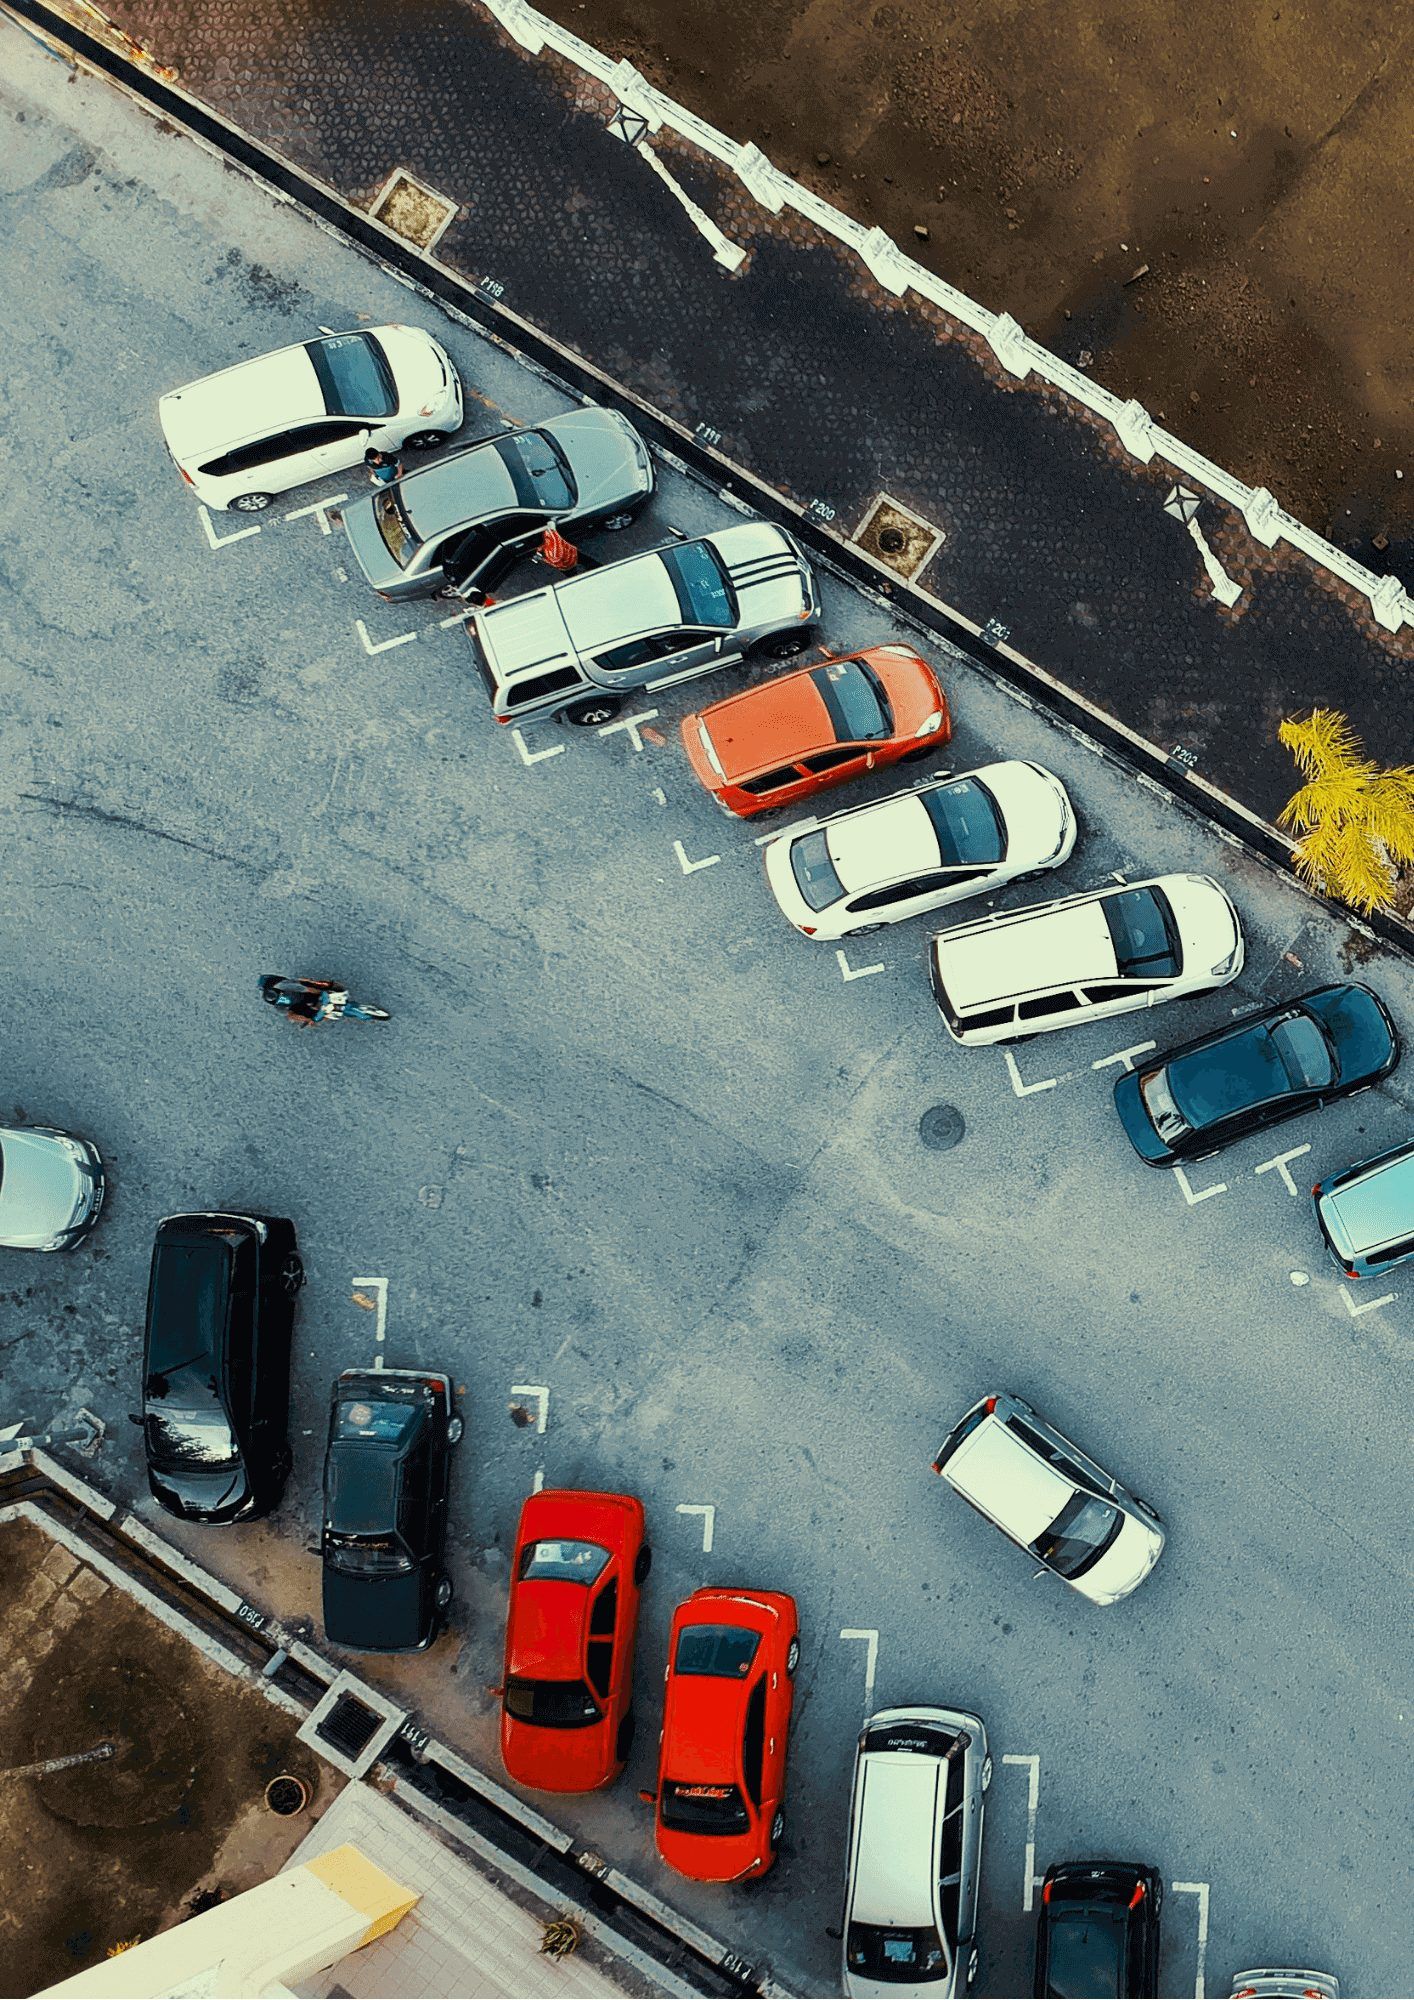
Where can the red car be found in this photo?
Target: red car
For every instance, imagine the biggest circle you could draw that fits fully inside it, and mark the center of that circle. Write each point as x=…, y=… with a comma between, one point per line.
x=732, y=1656
x=566, y=1714
x=790, y=737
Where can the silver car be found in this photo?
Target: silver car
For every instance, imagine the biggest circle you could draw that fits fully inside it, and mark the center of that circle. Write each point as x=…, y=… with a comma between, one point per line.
x=462, y=523
x=1284, y=1982
x=915, y=1853
x=668, y=615
x=51, y=1188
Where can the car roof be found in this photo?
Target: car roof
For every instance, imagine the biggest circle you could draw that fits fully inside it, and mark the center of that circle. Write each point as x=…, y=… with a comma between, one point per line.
x=547, y=1626
x=251, y=399
x=1047, y=948
x=619, y=601
x=458, y=491
x=704, y=1724
x=1002, y=1474
x=1378, y=1207
x=898, y=1810
x=892, y=840
x=772, y=723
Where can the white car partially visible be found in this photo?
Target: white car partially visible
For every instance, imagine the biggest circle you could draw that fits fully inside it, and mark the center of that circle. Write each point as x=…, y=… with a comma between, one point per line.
x=281, y=420
x=920, y=850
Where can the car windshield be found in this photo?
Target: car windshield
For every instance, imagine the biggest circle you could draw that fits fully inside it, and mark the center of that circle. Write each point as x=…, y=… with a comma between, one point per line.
x=197, y=1438
x=1144, y=934
x=564, y=1562
x=1085, y=1954
x=814, y=872
x=538, y=471
x=886, y=1952
x=394, y=526
x=1169, y=1121
x=367, y=1555
x=1079, y=1535
x=354, y=375
x=725, y=1651
x=705, y=597
x=1305, y=1053
x=854, y=699
x=713, y=1809
x=552, y=1704
x=967, y=824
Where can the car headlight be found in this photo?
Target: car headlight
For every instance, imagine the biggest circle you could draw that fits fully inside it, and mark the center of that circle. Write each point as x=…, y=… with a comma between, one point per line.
x=931, y=727
x=1220, y=971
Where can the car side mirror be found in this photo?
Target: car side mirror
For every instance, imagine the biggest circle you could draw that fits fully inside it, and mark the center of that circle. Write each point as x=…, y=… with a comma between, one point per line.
x=649, y=1798
x=833, y=1931
x=134, y=1418
x=1039, y=1572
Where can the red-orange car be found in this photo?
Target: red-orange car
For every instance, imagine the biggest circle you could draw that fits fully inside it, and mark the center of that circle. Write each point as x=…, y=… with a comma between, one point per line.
x=787, y=738
x=732, y=1656
x=566, y=1714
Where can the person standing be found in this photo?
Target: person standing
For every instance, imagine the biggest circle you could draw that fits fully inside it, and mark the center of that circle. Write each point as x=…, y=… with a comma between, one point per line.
x=383, y=467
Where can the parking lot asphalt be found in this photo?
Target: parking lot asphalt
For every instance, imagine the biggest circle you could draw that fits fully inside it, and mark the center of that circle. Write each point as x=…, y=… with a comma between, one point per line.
x=643, y=1168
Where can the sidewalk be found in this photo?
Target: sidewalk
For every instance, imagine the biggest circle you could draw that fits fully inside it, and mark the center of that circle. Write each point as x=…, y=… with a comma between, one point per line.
x=800, y=368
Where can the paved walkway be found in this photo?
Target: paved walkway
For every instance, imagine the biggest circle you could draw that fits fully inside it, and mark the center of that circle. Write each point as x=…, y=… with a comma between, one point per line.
x=817, y=381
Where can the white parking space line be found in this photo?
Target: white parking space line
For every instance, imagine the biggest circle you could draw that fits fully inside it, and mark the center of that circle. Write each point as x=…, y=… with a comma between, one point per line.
x=709, y=1521
x=1366, y=1305
x=378, y=1304
x=871, y=1655
x=1033, y=1800
x=216, y=541
x=849, y=971
x=381, y=645
x=1125, y=1056
x=691, y=867
x=537, y=1484
x=1025, y=1089
x=320, y=511
x=1194, y=1195
x=1281, y=1165
x=528, y=756
x=542, y=1399
x=1201, y=1891
x=631, y=723
x=457, y=618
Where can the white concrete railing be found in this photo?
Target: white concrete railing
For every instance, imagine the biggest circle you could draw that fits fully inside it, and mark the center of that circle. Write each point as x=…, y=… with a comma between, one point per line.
x=1142, y=438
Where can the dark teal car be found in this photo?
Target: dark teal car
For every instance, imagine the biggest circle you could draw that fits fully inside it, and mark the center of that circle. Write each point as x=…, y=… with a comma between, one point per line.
x=1255, y=1072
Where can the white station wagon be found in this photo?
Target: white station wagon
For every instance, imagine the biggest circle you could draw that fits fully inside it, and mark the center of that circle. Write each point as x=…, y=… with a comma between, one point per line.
x=284, y=419
x=1083, y=958
x=920, y=850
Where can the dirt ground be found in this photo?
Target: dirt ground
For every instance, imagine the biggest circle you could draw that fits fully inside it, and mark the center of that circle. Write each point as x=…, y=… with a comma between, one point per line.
x=110, y=1852
x=1248, y=157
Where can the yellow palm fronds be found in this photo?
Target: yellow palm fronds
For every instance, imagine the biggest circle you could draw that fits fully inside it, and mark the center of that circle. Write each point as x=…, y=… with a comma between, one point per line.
x=1355, y=821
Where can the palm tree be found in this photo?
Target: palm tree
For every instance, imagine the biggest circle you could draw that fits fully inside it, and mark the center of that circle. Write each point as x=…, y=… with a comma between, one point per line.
x=1354, y=821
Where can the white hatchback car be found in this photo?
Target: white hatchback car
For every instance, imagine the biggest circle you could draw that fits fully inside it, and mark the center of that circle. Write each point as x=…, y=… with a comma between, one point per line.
x=283, y=419
x=1083, y=958
x=920, y=850
x=1048, y=1497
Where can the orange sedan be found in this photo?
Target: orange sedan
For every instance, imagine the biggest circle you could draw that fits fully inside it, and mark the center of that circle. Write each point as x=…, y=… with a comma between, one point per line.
x=785, y=739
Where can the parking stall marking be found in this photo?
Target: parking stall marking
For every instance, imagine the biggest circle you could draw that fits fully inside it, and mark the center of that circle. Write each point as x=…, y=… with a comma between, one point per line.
x=457, y=618
x=528, y=757
x=1125, y=1056
x=1366, y=1305
x=377, y=1304
x=1281, y=1164
x=1194, y=1195
x=709, y=1521
x=1033, y=1799
x=537, y=1484
x=848, y=971
x=1026, y=1089
x=691, y=867
x=381, y=645
x=320, y=510
x=215, y=541
x=631, y=723
x=1201, y=1891
x=871, y=1655
x=542, y=1401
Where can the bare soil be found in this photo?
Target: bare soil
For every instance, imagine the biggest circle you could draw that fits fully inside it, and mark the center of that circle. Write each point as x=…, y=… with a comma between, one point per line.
x=107, y=1853
x=1248, y=157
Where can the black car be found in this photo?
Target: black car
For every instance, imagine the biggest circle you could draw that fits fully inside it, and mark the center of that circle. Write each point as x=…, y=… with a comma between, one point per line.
x=1268, y=1066
x=391, y=1432
x=1098, y=1938
x=216, y=1364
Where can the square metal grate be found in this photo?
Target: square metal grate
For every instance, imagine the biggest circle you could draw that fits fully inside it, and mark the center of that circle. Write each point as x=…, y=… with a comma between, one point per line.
x=413, y=210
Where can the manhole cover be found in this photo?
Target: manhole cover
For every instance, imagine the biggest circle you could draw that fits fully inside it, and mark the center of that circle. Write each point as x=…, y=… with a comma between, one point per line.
x=897, y=537
x=349, y=1725
x=413, y=210
x=941, y=1126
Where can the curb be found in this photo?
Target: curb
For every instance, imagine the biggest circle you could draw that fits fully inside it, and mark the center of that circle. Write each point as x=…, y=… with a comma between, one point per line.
x=476, y=304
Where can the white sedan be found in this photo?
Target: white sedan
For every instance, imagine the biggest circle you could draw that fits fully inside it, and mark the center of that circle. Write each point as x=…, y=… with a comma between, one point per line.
x=920, y=850
x=283, y=419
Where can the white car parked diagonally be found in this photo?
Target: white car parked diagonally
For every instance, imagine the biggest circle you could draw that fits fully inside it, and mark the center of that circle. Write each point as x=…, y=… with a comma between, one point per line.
x=920, y=850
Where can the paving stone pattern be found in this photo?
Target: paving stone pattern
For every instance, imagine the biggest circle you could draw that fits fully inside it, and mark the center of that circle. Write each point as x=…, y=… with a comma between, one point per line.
x=819, y=382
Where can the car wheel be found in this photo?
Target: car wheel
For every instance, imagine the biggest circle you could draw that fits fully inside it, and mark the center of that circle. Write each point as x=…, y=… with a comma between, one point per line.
x=784, y=645
x=778, y=1827
x=250, y=503
x=623, y=1742
x=973, y=1961
x=792, y=1657
x=454, y=1430
x=987, y=1773
x=613, y=523
x=427, y=440
x=590, y=713
x=444, y=1592
x=292, y=1275
x=642, y=1563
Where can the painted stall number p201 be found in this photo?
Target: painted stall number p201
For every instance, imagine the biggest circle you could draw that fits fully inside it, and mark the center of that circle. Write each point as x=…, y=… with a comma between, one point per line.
x=995, y=633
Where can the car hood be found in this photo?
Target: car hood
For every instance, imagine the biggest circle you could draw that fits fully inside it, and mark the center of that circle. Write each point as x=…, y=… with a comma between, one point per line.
x=378, y=1614
x=1207, y=924
x=418, y=366
x=43, y=1191
x=609, y=466
x=1364, y=1035
x=201, y=1496
x=1123, y=1567
x=767, y=571
x=1035, y=809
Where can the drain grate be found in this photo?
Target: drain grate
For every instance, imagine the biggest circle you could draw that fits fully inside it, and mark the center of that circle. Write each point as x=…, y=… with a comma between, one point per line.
x=897, y=537
x=941, y=1126
x=413, y=210
x=350, y=1725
